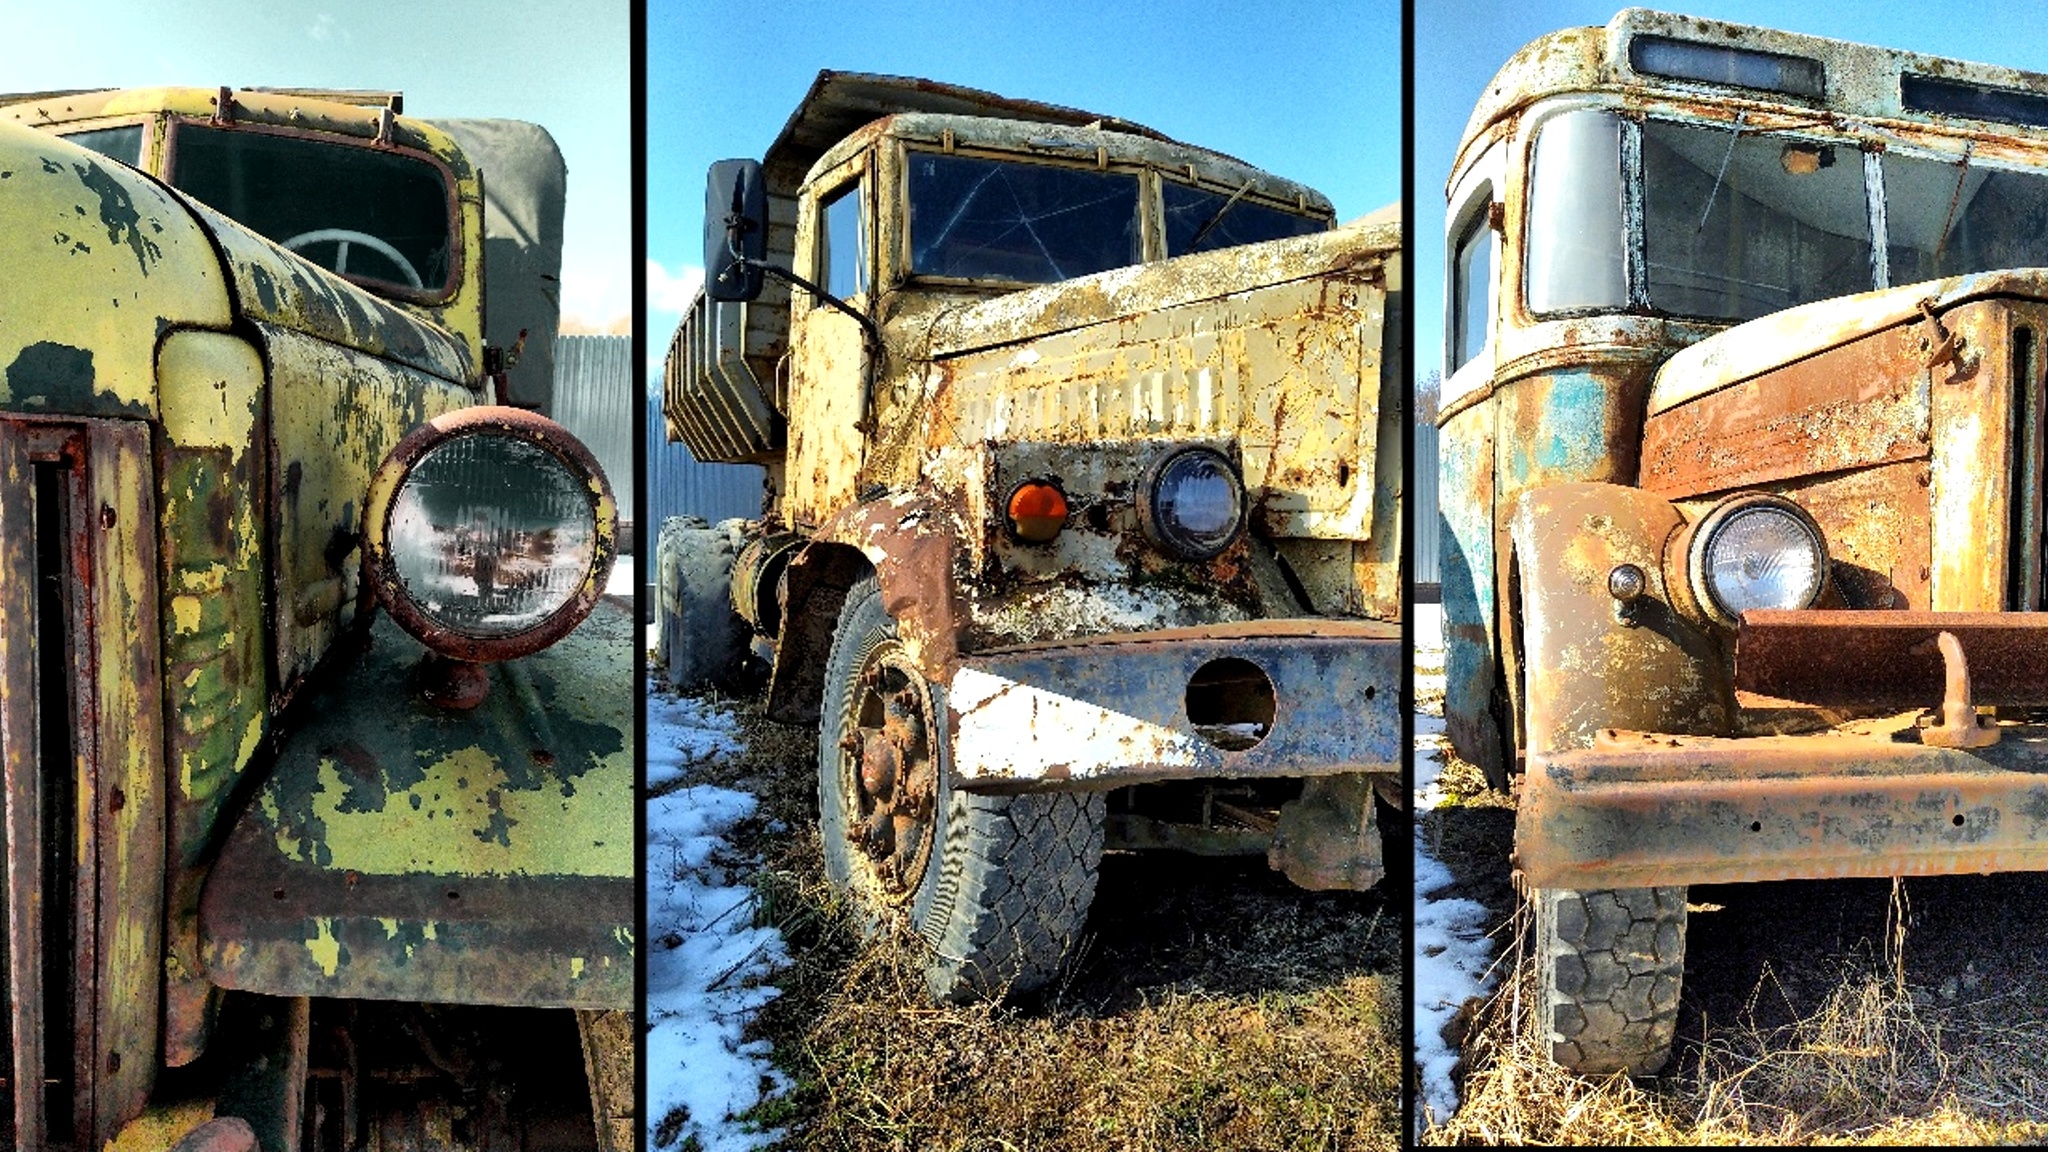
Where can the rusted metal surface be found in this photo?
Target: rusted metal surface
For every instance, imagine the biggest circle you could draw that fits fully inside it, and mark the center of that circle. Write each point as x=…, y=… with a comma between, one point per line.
x=902, y=451
x=1879, y=531
x=1862, y=80
x=1328, y=839
x=609, y=1042
x=1960, y=725
x=251, y=395
x=1889, y=660
x=382, y=494
x=891, y=755
x=1112, y=710
x=19, y=756
x=397, y=852
x=106, y=794
x=1584, y=667
x=1866, y=799
x=1858, y=405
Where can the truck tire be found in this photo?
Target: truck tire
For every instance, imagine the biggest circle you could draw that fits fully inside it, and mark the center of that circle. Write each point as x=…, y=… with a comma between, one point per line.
x=701, y=642
x=1608, y=966
x=996, y=888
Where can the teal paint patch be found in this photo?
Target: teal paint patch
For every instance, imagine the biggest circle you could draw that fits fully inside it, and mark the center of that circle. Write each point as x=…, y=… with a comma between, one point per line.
x=1568, y=439
x=58, y=379
x=117, y=212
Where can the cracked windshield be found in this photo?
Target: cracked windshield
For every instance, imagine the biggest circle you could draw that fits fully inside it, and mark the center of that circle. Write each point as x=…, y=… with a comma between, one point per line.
x=978, y=219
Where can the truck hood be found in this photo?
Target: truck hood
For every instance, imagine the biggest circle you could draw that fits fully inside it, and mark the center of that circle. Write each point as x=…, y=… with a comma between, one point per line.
x=101, y=260
x=1276, y=350
x=1127, y=293
x=285, y=289
x=1770, y=342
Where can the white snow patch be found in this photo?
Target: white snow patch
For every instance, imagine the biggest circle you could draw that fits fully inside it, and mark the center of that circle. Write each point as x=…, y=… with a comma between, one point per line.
x=683, y=732
x=1453, y=955
x=706, y=958
x=621, y=581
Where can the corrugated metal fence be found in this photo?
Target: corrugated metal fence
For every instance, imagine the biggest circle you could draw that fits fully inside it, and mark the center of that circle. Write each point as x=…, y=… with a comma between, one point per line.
x=678, y=485
x=594, y=400
x=1427, y=521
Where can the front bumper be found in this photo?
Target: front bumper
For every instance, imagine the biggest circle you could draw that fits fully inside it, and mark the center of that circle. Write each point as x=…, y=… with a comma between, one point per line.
x=1865, y=797
x=1639, y=809
x=399, y=852
x=1106, y=711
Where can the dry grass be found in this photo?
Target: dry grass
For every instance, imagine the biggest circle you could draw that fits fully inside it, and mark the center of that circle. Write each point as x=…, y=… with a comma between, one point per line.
x=1272, y=1038
x=1881, y=1061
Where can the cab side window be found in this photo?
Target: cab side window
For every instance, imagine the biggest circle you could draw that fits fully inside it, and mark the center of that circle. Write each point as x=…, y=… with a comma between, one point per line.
x=842, y=242
x=1471, y=282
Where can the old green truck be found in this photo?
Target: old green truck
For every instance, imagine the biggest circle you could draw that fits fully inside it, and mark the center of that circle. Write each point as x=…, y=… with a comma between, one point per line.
x=1081, y=529
x=283, y=870
x=1742, y=482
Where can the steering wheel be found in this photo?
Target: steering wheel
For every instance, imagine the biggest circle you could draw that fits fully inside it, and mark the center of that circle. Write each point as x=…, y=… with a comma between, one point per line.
x=343, y=237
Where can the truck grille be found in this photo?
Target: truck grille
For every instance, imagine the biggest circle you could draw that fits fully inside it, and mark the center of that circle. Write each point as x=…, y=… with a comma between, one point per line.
x=2026, y=581
x=71, y=636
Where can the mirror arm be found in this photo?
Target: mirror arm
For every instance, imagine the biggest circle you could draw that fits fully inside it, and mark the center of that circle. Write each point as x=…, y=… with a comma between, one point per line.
x=867, y=326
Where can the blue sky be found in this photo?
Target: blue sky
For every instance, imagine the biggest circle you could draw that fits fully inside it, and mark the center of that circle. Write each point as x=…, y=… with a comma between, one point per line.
x=508, y=58
x=1308, y=89
x=1460, y=44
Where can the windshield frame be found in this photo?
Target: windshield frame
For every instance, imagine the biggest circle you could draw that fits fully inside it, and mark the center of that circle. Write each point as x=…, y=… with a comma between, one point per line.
x=1784, y=122
x=1151, y=195
x=450, y=191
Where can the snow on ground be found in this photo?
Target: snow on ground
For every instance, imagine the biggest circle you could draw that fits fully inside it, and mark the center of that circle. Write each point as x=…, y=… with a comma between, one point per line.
x=620, y=582
x=683, y=732
x=706, y=957
x=1452, y=952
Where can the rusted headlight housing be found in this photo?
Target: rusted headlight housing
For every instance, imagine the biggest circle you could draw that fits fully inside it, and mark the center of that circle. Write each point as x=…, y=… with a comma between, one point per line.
x=1756, y=551
x=1036, y=512
x=489, y=533
x=1191, y=504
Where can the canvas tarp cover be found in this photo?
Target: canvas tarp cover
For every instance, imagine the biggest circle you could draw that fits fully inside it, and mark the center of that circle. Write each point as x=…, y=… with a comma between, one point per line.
x=525, y=182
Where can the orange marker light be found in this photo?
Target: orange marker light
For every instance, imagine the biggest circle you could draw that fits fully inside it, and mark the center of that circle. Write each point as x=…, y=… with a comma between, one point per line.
x=1037, y=511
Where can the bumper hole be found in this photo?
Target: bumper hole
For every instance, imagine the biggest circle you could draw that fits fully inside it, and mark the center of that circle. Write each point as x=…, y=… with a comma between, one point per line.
x=1231, y=703
x=1756, y=825
x=1958, y=820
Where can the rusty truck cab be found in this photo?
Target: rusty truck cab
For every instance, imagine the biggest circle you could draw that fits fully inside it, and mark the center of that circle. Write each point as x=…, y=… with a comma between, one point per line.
x=1013, y=326
x=1742, y=418
x=240, y=326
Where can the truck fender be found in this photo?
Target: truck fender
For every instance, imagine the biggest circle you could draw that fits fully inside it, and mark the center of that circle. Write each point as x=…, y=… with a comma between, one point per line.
x=909, y=543
x=1585, y=664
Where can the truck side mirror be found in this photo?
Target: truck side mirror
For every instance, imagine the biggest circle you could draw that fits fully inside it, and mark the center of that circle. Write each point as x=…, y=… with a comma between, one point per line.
x=735, y=230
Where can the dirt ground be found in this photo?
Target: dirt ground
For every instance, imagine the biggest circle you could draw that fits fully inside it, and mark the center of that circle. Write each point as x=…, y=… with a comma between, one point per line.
x=1812, y=1012
x=1211, y=1005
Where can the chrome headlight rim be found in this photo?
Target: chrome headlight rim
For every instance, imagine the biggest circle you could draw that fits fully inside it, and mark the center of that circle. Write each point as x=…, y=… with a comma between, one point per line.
x=1718, y=519
x=1169, y=537
x=380, y=566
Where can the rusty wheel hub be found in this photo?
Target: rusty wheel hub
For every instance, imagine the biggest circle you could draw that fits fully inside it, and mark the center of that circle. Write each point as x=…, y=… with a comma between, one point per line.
x=886, y=754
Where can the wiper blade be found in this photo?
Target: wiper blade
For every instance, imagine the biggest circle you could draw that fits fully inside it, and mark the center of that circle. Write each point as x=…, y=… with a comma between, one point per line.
x=1209, y=225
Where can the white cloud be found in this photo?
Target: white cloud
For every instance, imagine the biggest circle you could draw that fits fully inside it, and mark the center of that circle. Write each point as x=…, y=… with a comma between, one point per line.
x=323, y=29
x=670, y=293
x=595, y=296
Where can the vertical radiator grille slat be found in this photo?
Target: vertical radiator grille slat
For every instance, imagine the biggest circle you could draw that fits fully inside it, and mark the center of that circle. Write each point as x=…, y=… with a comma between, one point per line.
x=2026, y=582
x=20, y=752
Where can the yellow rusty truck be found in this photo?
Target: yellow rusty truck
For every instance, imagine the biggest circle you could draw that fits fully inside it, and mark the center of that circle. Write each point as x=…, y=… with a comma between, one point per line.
x=280, y=870
x=1743, y=468
x=1083, y=456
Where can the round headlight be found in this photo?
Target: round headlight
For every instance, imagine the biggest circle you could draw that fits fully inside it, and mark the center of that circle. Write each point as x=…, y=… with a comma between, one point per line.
x=1757, y=551
x=1192, y=504
x=489, y=533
